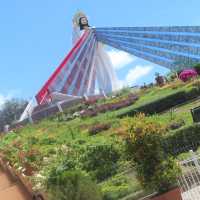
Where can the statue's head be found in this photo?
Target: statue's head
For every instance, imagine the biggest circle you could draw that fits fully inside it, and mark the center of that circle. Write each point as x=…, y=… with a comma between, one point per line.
x=83, y=23
x=80, y=20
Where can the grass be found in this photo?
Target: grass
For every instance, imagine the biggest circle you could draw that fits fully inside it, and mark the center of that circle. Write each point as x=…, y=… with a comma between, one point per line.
x=146, y=96
x=181, y=112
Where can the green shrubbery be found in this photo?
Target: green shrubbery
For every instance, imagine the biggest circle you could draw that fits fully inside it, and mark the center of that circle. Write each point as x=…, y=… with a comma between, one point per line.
x=182, y=139
x=71, y=185
x=175, y=124
x=155, y=170
x=197, y=68
x=166, y=174
x=164, y=103
x=118, y=187
x=101, y=161
x=97, y=128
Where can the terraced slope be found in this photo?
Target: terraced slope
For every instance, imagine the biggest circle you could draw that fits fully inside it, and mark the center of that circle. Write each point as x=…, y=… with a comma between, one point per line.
x=69, y=141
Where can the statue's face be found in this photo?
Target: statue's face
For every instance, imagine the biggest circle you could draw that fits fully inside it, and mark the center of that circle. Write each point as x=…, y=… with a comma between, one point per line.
x=84, y=21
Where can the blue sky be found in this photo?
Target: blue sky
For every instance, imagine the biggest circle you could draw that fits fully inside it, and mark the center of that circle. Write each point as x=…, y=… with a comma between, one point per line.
x=36, y=35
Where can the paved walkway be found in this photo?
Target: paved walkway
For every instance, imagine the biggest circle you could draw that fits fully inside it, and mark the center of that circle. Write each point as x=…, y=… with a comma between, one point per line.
x=11, y=189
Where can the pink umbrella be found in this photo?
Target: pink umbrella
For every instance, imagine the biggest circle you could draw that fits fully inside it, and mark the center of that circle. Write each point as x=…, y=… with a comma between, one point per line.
x=187, y=74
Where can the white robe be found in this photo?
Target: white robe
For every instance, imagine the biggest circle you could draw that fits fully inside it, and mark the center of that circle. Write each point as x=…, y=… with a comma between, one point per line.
x=105, y=74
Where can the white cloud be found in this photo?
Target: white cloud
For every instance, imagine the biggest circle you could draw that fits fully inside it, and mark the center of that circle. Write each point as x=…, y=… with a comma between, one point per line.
x=120, y=84
x=136, y=73
x=120, y=59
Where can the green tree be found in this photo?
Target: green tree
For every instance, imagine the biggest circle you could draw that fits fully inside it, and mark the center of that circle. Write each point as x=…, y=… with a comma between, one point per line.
x=155, y=170
x=11, y=111
x=101, y=161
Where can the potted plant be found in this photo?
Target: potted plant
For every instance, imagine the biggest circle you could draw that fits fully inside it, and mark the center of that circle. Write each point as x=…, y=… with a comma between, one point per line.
x=156, y=171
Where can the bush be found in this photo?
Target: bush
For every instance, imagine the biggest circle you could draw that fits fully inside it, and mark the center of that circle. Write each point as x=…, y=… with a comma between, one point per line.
x=30, y=160
x=171, y=76
x=166, y=175
x=144, y=143
x=176, y=124
x=71, y=185
x=116, y=188
x=196, y=83
x=132, y=98
x=101, y=161
x=182, y=140
x=160, y=80
x=98, y=128
x=46, y=140
x=188, y=74
x=197, y=68
x=164, y=103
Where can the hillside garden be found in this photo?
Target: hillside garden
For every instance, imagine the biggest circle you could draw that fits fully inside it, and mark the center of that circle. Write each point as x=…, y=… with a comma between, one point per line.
x=109, y=149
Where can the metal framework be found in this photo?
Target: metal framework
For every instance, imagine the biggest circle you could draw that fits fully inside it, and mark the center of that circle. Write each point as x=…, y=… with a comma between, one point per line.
x=175, y=47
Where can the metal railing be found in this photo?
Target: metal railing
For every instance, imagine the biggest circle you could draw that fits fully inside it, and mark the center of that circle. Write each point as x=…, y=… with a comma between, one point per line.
x=189, y=181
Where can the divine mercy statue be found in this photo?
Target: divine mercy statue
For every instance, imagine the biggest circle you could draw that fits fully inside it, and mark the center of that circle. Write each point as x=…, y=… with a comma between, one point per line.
x=105, y=74
x=87, y=68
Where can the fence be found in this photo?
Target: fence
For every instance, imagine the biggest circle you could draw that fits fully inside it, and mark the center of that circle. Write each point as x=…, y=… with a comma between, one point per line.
x=189, y=181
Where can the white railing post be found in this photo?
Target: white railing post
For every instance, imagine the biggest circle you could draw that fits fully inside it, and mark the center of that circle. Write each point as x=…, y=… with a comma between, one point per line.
x=28, y=111
x=30, y=119
x=189, y=181
x=59, y=107
x=195, y=160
